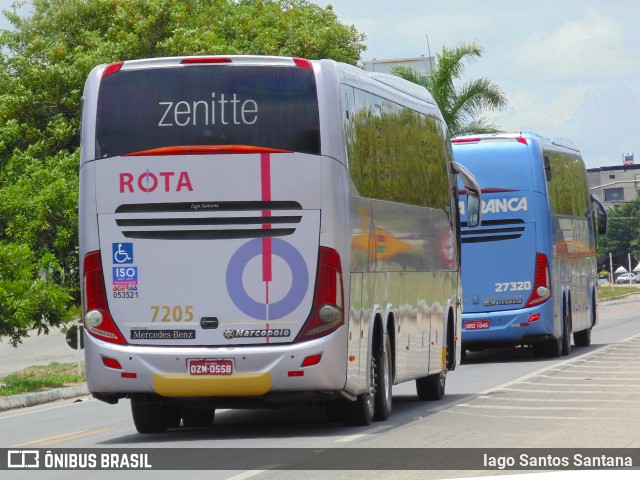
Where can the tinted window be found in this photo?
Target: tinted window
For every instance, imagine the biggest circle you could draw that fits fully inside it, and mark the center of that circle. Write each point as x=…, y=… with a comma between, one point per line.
x=497, y=165
x=568, y=190
x=395, y=153
x=274, y=107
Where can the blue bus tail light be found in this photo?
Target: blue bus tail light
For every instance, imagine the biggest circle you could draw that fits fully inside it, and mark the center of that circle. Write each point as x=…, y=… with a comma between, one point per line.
x=327, y=313
x=542, y=282
x=97, y=319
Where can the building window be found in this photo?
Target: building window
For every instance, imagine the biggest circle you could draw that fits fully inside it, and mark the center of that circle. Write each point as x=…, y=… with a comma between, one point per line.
x=614, y=195
x=612, y=177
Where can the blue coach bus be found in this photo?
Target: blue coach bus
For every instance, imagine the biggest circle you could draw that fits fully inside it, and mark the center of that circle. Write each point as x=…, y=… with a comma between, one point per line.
x=530, y=271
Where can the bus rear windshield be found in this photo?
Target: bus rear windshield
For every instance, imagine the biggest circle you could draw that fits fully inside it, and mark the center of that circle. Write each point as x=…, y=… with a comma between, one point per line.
x=272, y=107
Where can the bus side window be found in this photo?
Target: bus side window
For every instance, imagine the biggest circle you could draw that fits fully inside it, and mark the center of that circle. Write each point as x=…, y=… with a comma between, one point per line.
x=547, y=168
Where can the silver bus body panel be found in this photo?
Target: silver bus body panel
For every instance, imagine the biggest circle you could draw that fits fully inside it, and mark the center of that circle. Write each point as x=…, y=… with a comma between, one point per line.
x=416, y=298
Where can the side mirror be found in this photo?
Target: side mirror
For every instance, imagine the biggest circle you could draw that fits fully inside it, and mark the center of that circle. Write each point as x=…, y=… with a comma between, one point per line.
x=600, y=213
x=73, y=334
x=473, y=210
x=474, y=197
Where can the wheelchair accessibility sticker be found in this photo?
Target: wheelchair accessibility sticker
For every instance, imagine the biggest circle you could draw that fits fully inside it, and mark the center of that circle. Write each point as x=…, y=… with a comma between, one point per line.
x=122, y=253
x=264, y=309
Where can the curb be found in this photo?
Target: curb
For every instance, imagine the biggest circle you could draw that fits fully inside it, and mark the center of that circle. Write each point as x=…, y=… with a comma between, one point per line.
x=36, y=398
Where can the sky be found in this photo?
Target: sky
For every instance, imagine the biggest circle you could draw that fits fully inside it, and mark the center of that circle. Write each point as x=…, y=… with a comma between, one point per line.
x=568, y=68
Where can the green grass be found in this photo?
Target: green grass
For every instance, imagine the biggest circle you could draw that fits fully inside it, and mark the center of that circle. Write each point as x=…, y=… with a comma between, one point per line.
x=40, y=377
x=607, y=292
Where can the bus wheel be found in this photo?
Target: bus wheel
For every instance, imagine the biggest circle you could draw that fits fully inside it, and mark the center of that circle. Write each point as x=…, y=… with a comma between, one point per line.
x=173, y=417
x=582, y=338
x=566, y=331
x=431, y=387
x=197, y=417
x=150, y=417
x=360, y=413
x=384, y=384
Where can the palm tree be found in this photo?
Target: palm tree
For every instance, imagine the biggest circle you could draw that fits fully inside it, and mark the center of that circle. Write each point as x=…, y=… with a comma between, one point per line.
x=461, y=107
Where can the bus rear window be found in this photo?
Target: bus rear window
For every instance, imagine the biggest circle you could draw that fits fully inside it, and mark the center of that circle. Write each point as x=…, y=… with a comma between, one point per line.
x=272, y=107
x=497, y=167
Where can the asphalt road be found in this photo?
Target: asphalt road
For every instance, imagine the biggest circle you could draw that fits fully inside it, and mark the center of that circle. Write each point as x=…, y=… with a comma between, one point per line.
x=497, y=399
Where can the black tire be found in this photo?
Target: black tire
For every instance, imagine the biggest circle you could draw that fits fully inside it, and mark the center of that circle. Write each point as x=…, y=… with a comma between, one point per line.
x=384, y=382
x=173, y=417
x=150, y=417
x=431, y=387
x=360, y=413
x=582, y=338
x=197, y=417
x=566, y=330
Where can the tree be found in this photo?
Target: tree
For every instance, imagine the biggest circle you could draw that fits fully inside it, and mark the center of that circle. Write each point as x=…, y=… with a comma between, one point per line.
x=462, y=106
x=623, y=235
x=44, y=61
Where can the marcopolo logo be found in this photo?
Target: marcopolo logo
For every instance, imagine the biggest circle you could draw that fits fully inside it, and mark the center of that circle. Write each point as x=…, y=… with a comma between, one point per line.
x=258, y=333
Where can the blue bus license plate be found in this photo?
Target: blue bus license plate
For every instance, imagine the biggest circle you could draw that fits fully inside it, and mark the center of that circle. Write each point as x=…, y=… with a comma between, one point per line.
x=476, y=325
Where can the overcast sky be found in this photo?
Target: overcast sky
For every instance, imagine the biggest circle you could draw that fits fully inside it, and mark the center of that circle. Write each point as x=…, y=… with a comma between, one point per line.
x=569, y=68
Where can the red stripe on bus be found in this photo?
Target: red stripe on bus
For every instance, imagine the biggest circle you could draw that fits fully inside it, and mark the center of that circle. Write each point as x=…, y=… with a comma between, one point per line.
x=265, y=179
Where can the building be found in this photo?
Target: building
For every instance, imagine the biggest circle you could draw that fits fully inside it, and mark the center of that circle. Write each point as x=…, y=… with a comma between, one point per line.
x=421, y=64
x=617, y=184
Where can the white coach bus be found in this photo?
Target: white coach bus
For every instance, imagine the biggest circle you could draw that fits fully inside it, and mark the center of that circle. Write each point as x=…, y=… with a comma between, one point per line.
x=262, y=231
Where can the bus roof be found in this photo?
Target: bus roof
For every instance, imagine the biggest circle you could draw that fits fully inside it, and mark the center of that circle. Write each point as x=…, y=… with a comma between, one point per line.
x=525, y=137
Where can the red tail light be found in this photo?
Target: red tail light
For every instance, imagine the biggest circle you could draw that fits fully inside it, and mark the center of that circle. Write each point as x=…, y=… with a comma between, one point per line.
x=303, y=63
x=111, y=69
x=466, y=140
x=196, y=60
x=327, y=314
x=204, y=150
x=542, y=282
x=97, y=319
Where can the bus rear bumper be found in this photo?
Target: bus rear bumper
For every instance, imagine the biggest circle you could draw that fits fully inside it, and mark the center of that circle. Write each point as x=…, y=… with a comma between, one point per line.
x=508, y=328
x=258, y=371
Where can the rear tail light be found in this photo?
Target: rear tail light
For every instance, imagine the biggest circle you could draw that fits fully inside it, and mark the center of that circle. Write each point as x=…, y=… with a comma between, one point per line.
x=97, y=319
x=197, y=60
x=303, y=63
x=327, y=313
x=204, y=150
x=479, y=139
x=542, y=282
x=111, y=69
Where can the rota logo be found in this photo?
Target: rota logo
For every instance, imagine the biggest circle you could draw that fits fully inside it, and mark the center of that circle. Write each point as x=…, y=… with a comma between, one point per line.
x=148, y=182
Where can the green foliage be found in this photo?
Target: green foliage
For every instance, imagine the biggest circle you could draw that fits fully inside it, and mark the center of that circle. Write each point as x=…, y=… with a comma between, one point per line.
x=29, y=293
x=44, y=61
x=623, y=235
x=462, y=106
x=41, y=377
